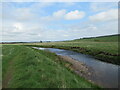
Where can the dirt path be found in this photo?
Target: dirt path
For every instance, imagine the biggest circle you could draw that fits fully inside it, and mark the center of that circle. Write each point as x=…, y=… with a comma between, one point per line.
x=8, y=75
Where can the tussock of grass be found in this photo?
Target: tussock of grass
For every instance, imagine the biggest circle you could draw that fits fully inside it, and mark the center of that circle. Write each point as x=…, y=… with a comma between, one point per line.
x=31, y=68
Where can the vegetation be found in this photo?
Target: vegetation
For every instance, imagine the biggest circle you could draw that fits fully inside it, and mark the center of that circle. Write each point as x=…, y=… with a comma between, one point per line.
x=103, y=48
x=0, y=66
x=25, y=67
x=109, y=38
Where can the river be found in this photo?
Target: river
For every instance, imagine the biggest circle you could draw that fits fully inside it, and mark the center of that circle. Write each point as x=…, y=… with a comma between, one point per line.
x=104, y=74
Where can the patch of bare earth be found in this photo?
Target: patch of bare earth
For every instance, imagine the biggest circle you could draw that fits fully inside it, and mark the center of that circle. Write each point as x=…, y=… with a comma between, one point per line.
x=78, y=67
x=8, y=75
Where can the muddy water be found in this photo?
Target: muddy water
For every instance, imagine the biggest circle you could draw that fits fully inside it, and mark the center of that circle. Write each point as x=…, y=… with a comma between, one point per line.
x=104, y=74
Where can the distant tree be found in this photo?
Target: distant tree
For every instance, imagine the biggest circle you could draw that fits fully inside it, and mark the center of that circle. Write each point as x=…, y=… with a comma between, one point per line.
x=40, y=41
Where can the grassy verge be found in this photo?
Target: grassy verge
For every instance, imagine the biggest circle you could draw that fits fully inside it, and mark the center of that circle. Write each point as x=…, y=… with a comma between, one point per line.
x=24, y=67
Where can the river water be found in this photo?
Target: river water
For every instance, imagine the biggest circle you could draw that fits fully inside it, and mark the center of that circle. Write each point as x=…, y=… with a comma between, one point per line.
x=104, y=74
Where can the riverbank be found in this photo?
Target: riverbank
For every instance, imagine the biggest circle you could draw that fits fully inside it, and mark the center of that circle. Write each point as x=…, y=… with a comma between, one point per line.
x=77, y=67
x=40, y=69
x=102, y=73
x=98, y=54
x=102, y=48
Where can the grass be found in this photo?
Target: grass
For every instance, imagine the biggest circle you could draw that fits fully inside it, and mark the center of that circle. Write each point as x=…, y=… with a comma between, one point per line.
x=0, y=66
x=109, y=38
x=24, y=67
x=103, y=48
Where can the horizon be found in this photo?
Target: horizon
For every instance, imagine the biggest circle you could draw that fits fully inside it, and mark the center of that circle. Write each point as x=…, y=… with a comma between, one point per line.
x=58, y=41
x=53, y=21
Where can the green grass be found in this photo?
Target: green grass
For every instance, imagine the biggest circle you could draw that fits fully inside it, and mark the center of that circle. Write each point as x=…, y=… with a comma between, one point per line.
x=110, y=38
x=0, y=66
x=103, y=48
x=25, y=67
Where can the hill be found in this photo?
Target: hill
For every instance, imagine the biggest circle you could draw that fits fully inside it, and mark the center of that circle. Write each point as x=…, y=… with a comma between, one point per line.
x=109, y=38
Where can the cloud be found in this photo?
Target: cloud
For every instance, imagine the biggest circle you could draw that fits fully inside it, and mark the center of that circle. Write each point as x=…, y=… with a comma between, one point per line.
x=16, y=14
x=105, y=16
x=40, y=21
x=23, y=14
x=18, y=27
x=64, y=15
x=60, y=1
x=102, y=6
x=37, y=32
x=68, y=4
x=59, y=14
x=73, y=15
x=20, y=11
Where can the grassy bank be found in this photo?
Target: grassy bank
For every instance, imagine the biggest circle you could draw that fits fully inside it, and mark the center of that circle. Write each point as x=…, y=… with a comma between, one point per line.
x=24, y=67
x=103, y=48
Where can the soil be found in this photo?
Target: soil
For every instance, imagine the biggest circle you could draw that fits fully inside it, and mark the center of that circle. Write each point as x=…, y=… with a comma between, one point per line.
x=79, y=67
x=8, y=75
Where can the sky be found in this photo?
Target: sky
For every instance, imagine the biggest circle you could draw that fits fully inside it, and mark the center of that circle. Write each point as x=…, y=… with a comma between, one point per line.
x=56, y=21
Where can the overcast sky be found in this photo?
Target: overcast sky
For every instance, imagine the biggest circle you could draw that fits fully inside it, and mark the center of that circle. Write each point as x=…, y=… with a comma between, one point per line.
x=35, y=21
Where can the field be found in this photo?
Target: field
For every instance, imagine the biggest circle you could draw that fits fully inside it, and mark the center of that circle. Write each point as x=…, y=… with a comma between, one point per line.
x=25, y=67
x=103, y=48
